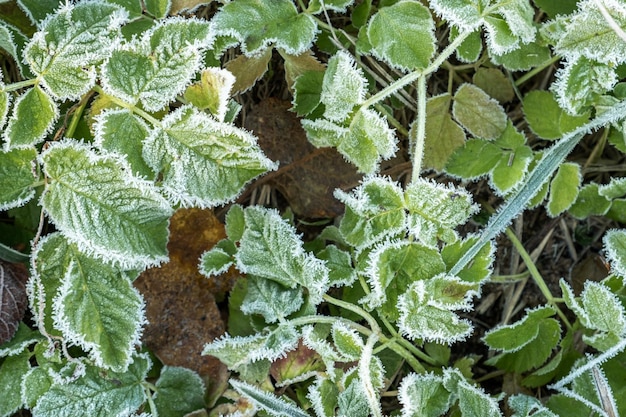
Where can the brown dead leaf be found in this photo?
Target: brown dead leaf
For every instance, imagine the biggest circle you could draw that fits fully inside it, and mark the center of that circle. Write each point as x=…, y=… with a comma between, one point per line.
x=13, y=299
x=247, y=70
x=307, y=176
x=180, y=303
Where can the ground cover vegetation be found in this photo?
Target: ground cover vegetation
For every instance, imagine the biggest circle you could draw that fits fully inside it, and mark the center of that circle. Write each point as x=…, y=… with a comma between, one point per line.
x=445, y=240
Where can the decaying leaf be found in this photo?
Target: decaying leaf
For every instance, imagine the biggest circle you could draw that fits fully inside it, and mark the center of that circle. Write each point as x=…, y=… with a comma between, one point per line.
x=13, y=300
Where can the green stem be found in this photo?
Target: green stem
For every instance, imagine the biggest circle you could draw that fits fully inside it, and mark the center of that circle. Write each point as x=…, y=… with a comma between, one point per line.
x=371, y=321
x=534, y=272
x=420, y=130
x=406, y=343
x=530, y=74
x=155, y=122
x=78, y=113
x=19, y=85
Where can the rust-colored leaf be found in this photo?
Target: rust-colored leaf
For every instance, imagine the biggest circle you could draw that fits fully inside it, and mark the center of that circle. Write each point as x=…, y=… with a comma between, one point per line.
x=180, y=303
x=13, y=298
x=307, y=176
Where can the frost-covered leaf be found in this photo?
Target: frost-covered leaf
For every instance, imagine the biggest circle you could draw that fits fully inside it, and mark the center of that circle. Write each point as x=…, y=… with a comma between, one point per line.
x=513, y=162
x=403, y=35
x=270, y=299
x=275, y=406
x=12, y=40
x=339, y=264
x=238, y=351
x=32, y=118
x=615, y=188
x=479, y=269
x=13, y=300
x=423, y=395
x=435, y=210
x=589, y=202
x=564, y=188
x=525, y=57
x=64, y=52
x=475, y=159
x=347, y=341
x=158, y=8
x=307, y=92
x=425, y=314
x=526, y=344
x=97, y=395
x=471, y=48
x=95, y=305
x=526, y=406
x=353, y=401
x=271, y=249
x=509, y=25
x=97, y=204
x=18, y=174
x=343, y=87
x=13, y=369
x=580, y=81
x=466, y=14
x=480, y=114
x=217, y=260
x=546, y=119
x=22, y=338
x=323, y=396
x=204, y=162
x=5, y=101
x=257, y=24
x=322, y=133
x=297, y=65
x=156, y=67
x=443, y=135
x=178, y=391
x=615, y=247
x=212, y=92
x=472, y=400
x=374, y=211
x=123, y=132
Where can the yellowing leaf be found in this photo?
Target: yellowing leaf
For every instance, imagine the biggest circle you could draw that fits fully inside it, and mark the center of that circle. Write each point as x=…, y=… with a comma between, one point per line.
x=443, y=135
x=247, y=70
x=480, y=114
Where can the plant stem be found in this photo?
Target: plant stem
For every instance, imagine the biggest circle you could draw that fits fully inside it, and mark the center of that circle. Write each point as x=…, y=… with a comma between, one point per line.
x=19, y=85
x=534, y=272
x=78, y=112
x=420, y=131
x=530, y=74
x=155, y=122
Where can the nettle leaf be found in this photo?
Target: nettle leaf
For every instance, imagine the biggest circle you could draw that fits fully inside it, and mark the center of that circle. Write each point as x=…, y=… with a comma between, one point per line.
x=527, y=343
x=480, y=114
x=70, y=43
x=122, y=132
x=339, y=263
x=472, y=400
x=353, y=401
x=12, y=371
x=270, y=299
x=580, y=81
x=158, y=8
x=237, y=351
x=425, y=309
x=436, y=209
x=114, y=394
x=465, y=14
x=564, y=188
x=615, y=247
x=403, y=35
x=204, y=162
x=347, y=341
x=374, y=212
x=18, y=174
x=343, y=87
x=159, y=65
x=94, y=306
x=271, y=249
x=178, y=391
x=219, y=259
x=423, y=395
x=96, y=203
x=275, y=406
x=526, y=406
x=33, y=117
x=443, y=135
x=212, y=92
x=323, y=394
x=258, y=24
x=546, y=119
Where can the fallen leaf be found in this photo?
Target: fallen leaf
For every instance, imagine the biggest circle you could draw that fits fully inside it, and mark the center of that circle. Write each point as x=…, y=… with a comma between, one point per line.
x=181, y=304
x=13, y=298
x=307, y=176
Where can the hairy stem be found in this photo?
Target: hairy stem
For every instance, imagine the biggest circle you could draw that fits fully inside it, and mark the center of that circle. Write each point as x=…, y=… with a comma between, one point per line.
x=417, y=153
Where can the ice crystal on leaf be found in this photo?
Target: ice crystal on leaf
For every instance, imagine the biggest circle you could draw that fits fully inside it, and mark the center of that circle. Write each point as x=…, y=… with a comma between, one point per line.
x=273, y=405
x=70, y=43
x=423, y=395
x=343, y=87
x=124, y=222
x=204, y=162
x=466, y=14
x=32, y=118
x=270, y=299
x=17, y=177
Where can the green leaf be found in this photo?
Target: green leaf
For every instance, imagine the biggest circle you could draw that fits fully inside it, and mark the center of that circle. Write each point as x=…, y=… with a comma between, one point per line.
x=554, y=8
x=114, y=394
x=158, y=66
x=38, y=10
x=270, y=299
x=471, y=48
x=22, y=338
x=13, y=369
x=510, y=24
x=481, y=115
x=33, y=117
x=603, y=309
x=212, y=92
x=514, y=160
x=347, y=341
x=71, y=43
x=257, y=24
x=589, y=202
x=443, y=135
x=564, y=188
x=18, y=174
x=523, y=58
x=493, y=82
x=513, y=337
x=339, y=263
x=473, y=401
x=275, y=406
x=158, y=8
x=323, y=394
x=217, y=260
x=465, y=14
x=270, y=248
x=5, y=102
x=353, y=402
x=423, y=395
x=235, y=223
x=122, y=132
x=525, y=406
x=307, y=92
x=615, y=247
x=343, y=87
x=403, y=35
x=97, y=204
x=546, y=119
x=178, y=391
x=12, y=40
x=477, y=158
x=204, y=162
x=95, y=305
x=479, y=269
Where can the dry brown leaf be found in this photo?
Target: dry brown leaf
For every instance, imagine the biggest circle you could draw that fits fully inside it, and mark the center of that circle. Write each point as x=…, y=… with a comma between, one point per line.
x=247, y=70
x=307, y=176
